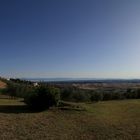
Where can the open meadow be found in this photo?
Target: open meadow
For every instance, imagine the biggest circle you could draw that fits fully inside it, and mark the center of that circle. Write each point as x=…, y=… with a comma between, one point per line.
x=109, y=120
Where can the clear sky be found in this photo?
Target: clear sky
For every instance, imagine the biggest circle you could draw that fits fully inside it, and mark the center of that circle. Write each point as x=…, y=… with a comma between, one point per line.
x=70, y=38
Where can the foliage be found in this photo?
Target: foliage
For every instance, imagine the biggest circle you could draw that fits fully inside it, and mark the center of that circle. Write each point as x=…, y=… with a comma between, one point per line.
x=82, y=95
x=18, y=90
x=74, y=94
x=95, y=96
x=19, y=81
x=39, y=98
x=43, y=97
x=31, y=94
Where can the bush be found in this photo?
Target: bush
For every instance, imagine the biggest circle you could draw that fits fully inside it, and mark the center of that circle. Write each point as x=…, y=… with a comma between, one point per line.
x=138, y=93
x=42, y=98
x=66, y=93
x=80, y=96
x=74, y=94
x=37, y=98
x=95, y=96
x=18, y=90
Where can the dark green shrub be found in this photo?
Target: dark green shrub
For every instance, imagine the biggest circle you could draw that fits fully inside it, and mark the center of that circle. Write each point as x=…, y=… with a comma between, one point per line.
x=95, y=96
x=18, y=90
x=66, y=93
x=107, y=96
x=80, y=96
x=42, y=98
x=75, y=94
x=138, y=93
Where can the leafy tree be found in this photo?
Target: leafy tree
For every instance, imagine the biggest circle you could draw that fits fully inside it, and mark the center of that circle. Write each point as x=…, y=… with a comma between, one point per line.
x=43, y=97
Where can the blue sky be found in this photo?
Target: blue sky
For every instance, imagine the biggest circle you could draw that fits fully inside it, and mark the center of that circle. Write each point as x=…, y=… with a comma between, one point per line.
x=70, y=38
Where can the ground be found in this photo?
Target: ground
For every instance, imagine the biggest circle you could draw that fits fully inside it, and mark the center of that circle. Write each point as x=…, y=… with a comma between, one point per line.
x=110, y=120
x=2, y=85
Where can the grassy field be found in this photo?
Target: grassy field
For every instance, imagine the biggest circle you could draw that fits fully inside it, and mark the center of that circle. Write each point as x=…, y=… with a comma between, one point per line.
x=111, y=120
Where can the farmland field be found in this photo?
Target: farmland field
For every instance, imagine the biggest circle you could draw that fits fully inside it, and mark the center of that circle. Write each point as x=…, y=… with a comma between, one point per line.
x=110, y=120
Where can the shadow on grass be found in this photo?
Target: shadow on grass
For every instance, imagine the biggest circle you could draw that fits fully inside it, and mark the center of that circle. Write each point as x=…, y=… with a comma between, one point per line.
x=71, y=109
x=16, y=109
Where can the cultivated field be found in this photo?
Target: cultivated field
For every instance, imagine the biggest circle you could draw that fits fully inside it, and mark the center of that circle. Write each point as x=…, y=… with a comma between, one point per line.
x=106, y=85
x=110, y=120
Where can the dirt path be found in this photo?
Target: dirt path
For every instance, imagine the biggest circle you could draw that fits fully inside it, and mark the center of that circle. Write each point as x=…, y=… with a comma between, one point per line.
x=2, y=84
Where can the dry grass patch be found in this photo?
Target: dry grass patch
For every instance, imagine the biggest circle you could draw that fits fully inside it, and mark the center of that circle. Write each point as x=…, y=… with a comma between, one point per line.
x=112, y=120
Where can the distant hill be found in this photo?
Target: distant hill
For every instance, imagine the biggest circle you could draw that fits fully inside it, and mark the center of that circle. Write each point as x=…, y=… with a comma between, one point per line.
x=82, y=80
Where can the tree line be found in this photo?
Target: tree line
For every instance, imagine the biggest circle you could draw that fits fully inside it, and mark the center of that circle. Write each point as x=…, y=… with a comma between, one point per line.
x=47, y=95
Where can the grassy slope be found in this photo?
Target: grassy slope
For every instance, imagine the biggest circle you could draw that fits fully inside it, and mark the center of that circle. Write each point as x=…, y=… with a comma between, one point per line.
x=105, y=120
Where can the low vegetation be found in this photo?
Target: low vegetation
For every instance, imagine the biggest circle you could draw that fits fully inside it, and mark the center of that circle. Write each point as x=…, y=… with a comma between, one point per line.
x=37, y=98
x=83, y=95
x=112, y=120
x=73, y=113
x=43, y=96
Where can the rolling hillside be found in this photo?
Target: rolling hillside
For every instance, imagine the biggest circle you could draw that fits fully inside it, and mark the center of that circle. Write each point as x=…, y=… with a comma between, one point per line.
x=112, y=120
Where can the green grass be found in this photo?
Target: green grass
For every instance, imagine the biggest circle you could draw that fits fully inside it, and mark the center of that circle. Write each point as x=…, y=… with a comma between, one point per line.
x=10, y=102
x=116, y=119
x=110, y=120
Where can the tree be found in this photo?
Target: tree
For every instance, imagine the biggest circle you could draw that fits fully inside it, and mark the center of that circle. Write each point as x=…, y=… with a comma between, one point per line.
x=43, y=97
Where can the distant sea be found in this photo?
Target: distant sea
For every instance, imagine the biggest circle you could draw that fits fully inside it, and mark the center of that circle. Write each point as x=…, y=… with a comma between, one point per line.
x=57, y=79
